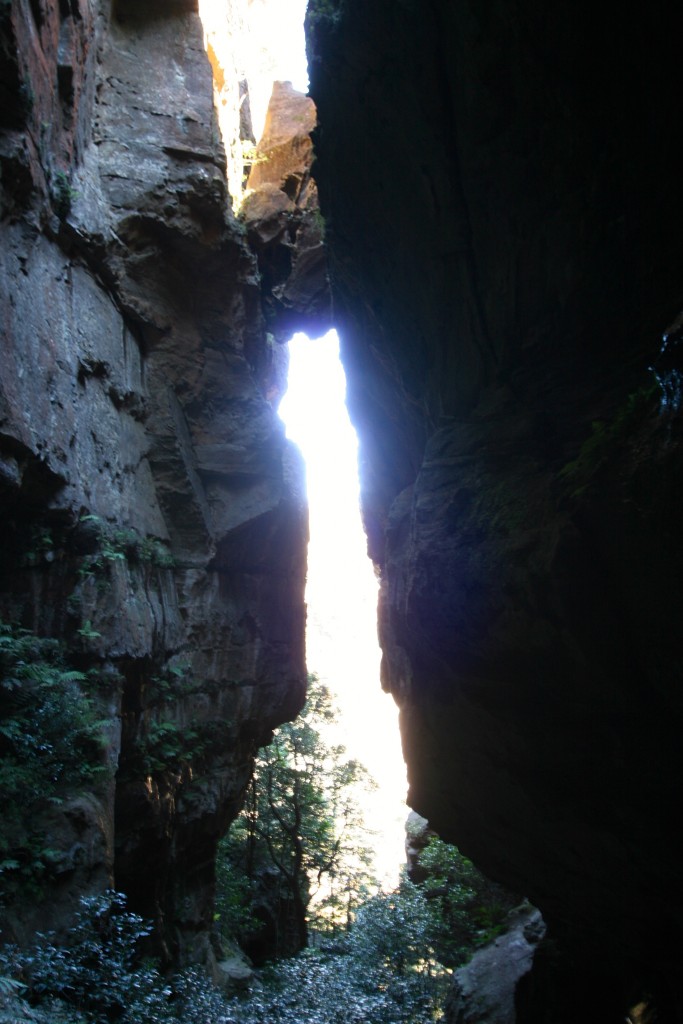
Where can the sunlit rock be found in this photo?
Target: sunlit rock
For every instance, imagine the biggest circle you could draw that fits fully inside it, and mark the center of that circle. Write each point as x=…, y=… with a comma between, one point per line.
x=283, y=220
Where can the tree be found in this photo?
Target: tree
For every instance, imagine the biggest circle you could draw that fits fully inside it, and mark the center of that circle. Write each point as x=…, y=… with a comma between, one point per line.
x=467, y=908
x=301, y=824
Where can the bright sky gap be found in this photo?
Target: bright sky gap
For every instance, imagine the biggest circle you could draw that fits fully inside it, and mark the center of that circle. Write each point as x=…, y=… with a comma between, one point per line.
x=341, y=592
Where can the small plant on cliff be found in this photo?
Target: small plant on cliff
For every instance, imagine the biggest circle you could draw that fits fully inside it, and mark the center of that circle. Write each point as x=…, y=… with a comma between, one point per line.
x=171, y=684
x=163, y=745
x=27, y=99
x=86, y=632
x=41, y=546
x=122, y=545
x=323, y=12
x=155, y=553
x=63, y=195
x=319, y=223
x=251, y=155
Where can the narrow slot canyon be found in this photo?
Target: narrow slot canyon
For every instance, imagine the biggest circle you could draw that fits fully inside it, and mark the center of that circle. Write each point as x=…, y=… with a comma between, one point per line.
x=478, y=206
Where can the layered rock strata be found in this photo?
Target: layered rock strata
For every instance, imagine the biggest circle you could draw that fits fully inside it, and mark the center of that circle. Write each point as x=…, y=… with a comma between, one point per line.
x=154, y=512
x=504, y=235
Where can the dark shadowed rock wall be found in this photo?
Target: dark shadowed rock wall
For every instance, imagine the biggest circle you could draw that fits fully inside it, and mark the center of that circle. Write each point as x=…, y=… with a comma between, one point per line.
x=502, y=202
x=153, y=513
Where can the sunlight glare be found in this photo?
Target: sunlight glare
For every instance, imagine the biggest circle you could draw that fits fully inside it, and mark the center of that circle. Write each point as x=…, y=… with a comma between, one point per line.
x=341, y=591
x=264, y=41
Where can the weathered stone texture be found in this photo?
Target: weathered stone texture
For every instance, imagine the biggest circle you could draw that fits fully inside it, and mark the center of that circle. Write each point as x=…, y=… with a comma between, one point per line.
x=284, y=152
x=135, y=428
x=283, y=220
x=484, y=990
x=502, y=271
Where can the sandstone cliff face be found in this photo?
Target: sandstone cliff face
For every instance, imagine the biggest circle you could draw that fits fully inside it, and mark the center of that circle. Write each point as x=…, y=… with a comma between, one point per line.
x=154, y=513
x=283, y=221
x=505, y=253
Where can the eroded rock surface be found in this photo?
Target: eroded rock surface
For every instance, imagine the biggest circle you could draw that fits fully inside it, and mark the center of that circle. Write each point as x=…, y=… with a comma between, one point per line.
x=283, y=220
x=502, y=270
x=138, y=445
x=483, y=991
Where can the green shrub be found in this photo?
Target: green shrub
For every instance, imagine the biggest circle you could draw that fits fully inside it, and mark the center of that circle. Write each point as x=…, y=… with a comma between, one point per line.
x=122, y=544
x=467, y=909
x=52, y=740
x=62, y=195
x=97, y=974
x=172, y=683
x=97, y=970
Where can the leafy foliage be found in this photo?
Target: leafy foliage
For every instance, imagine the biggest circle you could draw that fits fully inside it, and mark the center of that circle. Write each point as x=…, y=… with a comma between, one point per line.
x=165, y=745
x=466, y=909
x=122, y=545
x=170, y=685
x=334, y=988
x=388, y=967
x=51, y=743
x=323, y=12
x=40, y=545
x=236, y=891
x=385, y=958
x=301, y=824
x=10, y=986
x=97, y=974
x=63, y=195
x=97, y=969
x=382, y=970
x=394, y=930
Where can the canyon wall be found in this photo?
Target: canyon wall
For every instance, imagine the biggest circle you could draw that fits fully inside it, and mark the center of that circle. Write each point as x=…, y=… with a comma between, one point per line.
x=154, y=513
x=500, y=190
x=503, y=224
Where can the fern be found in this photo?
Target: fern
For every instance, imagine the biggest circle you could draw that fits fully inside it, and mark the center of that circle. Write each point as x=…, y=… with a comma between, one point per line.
x=10, y=986
x=51, y=743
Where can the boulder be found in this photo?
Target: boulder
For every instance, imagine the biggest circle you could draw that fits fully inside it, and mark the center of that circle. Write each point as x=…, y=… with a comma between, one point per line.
x=483, y=991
